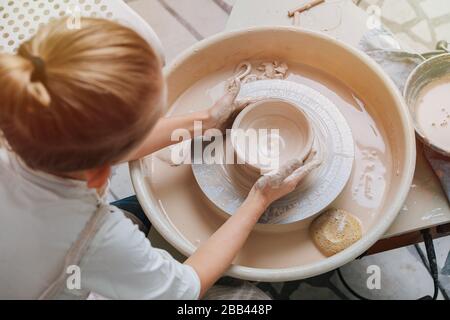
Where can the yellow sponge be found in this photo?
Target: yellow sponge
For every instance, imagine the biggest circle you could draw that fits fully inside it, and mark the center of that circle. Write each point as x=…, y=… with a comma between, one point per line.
x=334, y=231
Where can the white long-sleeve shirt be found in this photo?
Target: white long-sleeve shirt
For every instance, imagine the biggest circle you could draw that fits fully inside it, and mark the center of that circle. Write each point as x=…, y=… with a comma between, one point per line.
x=41, y=215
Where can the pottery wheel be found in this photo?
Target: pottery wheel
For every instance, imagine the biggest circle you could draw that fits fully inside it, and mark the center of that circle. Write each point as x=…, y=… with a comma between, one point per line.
x=319, y=189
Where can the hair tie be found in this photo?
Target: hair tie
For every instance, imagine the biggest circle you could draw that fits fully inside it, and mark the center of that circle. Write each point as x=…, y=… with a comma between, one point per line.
x=39, y=74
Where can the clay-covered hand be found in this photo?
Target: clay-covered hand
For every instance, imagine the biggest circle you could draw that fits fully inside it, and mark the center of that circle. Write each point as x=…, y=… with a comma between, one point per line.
x=222, y=114
x=277, y=184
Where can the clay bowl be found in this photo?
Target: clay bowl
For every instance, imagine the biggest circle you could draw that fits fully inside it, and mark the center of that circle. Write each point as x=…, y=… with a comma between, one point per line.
x=282, y=132
x=293, y=45
x=424, y=74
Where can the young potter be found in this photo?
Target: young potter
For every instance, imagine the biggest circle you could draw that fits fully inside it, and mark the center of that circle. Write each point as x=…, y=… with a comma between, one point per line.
x=73, y=103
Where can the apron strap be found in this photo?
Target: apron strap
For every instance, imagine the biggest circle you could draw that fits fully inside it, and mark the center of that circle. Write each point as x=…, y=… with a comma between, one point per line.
x=76, y=251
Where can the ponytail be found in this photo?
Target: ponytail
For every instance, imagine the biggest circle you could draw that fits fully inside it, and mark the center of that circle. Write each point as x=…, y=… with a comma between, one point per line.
x=73, y=100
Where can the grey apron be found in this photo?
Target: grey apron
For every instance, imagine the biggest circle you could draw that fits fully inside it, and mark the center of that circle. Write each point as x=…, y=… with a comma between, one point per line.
x=76, y=251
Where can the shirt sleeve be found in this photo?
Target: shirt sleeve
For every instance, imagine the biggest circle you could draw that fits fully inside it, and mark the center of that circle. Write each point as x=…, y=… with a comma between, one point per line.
x=121, y=264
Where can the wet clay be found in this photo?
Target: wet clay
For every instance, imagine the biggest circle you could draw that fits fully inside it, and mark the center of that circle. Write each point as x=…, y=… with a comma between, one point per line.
x=282, y=246
x=334, y=231
x=284, y=133
x=433, y=113
x=246, y=72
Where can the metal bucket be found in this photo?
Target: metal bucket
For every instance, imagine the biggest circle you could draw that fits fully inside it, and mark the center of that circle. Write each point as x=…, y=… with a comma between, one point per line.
x=436, y=65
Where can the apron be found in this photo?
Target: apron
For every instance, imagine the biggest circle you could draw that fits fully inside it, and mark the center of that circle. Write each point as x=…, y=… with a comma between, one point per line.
x=77, y=251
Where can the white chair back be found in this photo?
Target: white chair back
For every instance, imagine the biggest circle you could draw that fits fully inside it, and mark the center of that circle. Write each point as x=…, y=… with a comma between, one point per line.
x=20, y=19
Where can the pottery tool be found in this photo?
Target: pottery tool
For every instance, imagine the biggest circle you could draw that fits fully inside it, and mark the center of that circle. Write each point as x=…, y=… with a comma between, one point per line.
x=305, y=7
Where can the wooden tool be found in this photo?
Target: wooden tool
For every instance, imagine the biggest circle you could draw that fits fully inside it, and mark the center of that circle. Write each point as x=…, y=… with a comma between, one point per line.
x=305, y=7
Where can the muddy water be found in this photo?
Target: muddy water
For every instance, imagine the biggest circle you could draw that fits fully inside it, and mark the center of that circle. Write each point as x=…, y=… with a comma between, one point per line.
x=433, y=113
x=279, y=246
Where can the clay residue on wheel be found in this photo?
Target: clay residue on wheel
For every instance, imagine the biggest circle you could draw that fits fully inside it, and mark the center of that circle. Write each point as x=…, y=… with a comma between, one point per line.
x=334, y=231
x=245, y=72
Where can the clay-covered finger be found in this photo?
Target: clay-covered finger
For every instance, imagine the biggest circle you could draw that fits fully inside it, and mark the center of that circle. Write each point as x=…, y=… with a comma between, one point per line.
x=276, y=178
x=313, y=163
x=289, y=167
x=286, y=170
x=234, y=89
x=228, y=100
x=244, y=103
x=303, y=171
x=313, y=154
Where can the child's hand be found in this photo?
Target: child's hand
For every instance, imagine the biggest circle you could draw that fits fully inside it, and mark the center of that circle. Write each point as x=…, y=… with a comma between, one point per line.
x=222, y=114
x=276, y=185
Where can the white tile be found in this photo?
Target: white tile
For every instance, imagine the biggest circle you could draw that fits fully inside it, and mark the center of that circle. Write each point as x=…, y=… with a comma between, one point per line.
x=443, y=31
x=399, y=11
x=203, y=15
x=174, y=37
x=366, y=3
x=422, y=31
x=226, y=5
x=403, y=275
x=410, y=44
x=230, y=2
x=435, y=8
x=444, y=274
x=441, y=247
x=308, y=292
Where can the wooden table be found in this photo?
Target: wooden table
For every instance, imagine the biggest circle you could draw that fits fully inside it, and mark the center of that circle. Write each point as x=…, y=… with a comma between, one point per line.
x=426, y=206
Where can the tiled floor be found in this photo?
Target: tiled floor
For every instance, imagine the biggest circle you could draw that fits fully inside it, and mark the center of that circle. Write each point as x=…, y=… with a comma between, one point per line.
x=418, y=24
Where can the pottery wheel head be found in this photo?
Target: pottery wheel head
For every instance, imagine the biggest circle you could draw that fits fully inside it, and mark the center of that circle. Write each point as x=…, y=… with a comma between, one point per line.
x=333, y=140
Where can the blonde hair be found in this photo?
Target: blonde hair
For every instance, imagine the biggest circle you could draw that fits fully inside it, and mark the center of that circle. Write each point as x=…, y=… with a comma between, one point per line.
x=72, y=100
